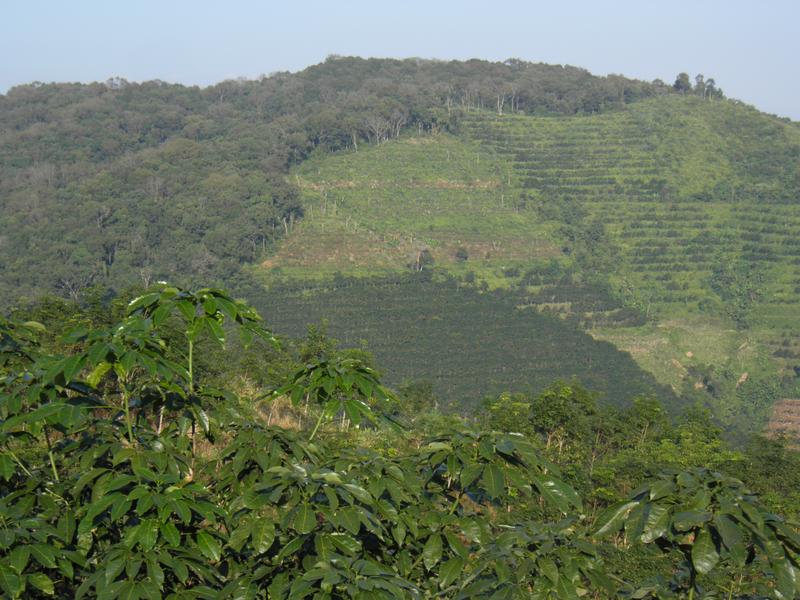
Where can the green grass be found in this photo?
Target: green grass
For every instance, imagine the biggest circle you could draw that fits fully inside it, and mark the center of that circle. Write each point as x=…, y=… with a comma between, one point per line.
x=378, y=208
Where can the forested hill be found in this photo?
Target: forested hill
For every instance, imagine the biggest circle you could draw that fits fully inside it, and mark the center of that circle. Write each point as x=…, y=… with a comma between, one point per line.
x=113, y=183
x=662, y=218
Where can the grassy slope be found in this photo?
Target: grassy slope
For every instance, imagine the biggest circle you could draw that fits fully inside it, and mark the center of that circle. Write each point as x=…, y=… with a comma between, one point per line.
x=377, y=208
x=680, y=186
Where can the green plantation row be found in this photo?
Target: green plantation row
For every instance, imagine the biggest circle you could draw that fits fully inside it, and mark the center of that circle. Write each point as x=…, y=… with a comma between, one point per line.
x=125, y=474
x=670, y=184
x=466, y=343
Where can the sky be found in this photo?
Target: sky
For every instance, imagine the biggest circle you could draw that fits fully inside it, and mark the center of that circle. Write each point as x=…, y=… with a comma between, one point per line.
x=751, y=48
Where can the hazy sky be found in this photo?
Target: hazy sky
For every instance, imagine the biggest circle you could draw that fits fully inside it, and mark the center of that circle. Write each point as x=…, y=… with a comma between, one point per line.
x=750, y=48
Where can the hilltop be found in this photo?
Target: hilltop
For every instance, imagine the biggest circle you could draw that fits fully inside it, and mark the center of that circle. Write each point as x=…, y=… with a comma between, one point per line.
x=114, y=182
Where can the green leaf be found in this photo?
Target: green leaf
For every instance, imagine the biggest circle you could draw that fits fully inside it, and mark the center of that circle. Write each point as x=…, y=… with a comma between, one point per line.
x=732, y=537
x=66, y=568
x=349, y=518
x=785, y=578
x=346, y=543
x=128, y=591
x=160, y=314
x=656, y=524
x=216, y=329
x=9, y=581
x=66, y=526
x=42, y=582
x=202, y=419
x=178, y=567
x=450, y=570
x=660, y=489
x=399, y=533
x=239, y=536
x=565, y=590
x=753, y=515
x=470, y=473
x=171, y=534
x=359, y=492
x=549, y=569
x=114, y=568
x=304, y=519
x=558, y=493
x=432, y=552
x=19, y=557
x=704, y=553
x=7, y=467
x=290, y=548
x=208, y=545
x=143, y=301
x=689, y=519
x=72, y=367
x=353, y=409
x=98, y=373
x=263, y=535
x=493, y=481
x=612, y=518
x=188, y=310
x=209, y=305
x=44, y=555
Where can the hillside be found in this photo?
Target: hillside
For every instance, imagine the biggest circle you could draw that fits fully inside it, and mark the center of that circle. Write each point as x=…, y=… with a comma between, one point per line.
x=468, y=345
x=663, y=221
x=669, y=228
x=113, y=183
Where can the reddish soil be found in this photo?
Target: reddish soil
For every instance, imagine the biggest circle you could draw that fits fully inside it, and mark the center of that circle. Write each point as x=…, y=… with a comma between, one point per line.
x=785, y=420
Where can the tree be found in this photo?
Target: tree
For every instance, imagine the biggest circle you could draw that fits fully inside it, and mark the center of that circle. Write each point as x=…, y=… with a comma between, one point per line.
x=682, y=83
x=711, y=520
x=700, y=85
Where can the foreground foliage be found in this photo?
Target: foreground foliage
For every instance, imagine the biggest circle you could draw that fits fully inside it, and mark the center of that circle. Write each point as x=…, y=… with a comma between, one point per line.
x=123, y=474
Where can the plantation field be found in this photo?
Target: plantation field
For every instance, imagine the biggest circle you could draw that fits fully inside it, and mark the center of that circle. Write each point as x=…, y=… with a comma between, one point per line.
x=669, y=228
x=378, y=208
x=680, y=187
x=467, y=344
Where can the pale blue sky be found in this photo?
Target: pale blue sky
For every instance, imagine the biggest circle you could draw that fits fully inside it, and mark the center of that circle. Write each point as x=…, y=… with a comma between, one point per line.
x=750, y=48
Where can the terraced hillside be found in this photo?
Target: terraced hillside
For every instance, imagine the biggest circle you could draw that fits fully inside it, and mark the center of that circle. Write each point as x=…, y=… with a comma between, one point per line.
x=678, y=187
x=669, y=228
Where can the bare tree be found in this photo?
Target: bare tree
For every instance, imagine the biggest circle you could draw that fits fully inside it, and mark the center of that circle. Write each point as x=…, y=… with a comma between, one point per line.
x=378, y=127
x=74, y=284
x=397, y=120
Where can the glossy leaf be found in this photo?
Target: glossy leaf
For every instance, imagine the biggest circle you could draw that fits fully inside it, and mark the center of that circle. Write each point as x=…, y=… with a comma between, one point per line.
x=432, y=552
x=704, y=553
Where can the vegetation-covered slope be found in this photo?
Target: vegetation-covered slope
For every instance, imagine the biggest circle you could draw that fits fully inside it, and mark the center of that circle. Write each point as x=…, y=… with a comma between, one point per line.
x=661, y=218
x=118, y=182
x=667, y=227
x=467, y=344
